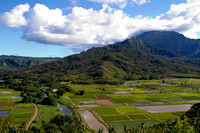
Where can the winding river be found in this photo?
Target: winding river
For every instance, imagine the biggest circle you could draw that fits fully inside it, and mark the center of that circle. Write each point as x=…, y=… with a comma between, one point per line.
x=64, y=109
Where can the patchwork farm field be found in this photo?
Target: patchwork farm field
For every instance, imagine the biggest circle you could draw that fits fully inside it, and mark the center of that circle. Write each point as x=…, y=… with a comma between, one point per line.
x=22, y=114
x=9, y=96
x=135, y=102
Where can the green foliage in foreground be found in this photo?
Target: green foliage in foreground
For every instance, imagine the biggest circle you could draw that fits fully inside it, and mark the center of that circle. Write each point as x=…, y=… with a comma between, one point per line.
x=60, y=123
x=6, y=126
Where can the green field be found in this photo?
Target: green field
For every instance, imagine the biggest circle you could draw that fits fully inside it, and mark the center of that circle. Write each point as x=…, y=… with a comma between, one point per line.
x=160, y=116
x=138, y=117
x=115, y=118
x=118, y=113
x=166, y=90
x=130, y=110
x=9, y=96
x=106, y=111
x=45, y=113
x=22, y=114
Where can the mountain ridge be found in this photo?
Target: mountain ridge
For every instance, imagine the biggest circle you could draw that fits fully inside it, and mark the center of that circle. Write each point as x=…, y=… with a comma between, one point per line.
x=174, y=42
x=19, y=62
x=131, y=59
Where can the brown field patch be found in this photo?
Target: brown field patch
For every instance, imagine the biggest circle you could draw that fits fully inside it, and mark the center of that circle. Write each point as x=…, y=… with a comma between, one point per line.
x=8, y=104
x=102, y=97
x=105, y=103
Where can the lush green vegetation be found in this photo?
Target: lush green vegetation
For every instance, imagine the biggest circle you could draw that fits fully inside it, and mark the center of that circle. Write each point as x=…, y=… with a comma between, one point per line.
x=161, y=116
x=138, y=117
x=188, y=123
x=132, y=59
x=118, y=113
x=106, y=111
x=115, y=118
x=58, y=124
x=166, y=40
x=130, y=110
x=9, y=96
x=6, y=126
x=17, y=62
x=45, y=113
x=22, y=114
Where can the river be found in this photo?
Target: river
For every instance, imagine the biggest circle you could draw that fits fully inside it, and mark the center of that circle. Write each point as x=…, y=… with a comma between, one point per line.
x=64, y=109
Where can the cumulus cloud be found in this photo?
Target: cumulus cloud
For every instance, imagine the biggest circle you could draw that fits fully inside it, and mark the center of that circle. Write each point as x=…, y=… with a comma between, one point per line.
x=15, y=17
x=88, y=27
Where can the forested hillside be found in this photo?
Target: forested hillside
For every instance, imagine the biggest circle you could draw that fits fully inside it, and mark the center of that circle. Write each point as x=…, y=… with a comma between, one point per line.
x=17, y=62
x=128, y=60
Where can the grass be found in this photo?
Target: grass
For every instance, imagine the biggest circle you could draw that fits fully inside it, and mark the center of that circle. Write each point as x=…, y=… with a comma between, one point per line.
x=22, y=113
x=138, y=117
x=123, y=100
x=191, y=98
x=115, y=118
x=160, y=116
x=137, y=91
x=178, y=113
x=153, y=99
x=106, y=111
x=128, y=99
x=13, y=92
x=45, y=113
x=5, y=108
x=130, y=110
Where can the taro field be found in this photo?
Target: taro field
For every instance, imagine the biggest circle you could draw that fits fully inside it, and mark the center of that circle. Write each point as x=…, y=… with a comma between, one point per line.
x=22, y=114
x=135, y=102
x=8, y=100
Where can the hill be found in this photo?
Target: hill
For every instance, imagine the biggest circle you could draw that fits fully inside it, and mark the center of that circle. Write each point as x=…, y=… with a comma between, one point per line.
x=19, y=62
x=128, y=60
x=173, y=42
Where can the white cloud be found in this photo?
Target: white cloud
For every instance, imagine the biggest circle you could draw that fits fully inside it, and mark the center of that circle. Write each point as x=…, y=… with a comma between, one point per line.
x=89, y=27
x=15, y=17
x=140, y=2
x=122, y=3
x=119, y=3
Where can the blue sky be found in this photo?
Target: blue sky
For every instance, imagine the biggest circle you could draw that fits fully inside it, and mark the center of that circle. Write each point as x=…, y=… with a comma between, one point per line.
x=58, y=28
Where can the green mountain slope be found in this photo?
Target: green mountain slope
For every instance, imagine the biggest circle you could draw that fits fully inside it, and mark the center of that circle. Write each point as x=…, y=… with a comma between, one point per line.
x=174, y=42
x=110, y=64
x=147, y=47
x=17, y=62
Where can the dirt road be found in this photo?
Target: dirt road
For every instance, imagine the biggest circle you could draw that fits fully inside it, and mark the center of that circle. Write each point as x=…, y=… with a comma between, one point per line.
x=36, y=111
